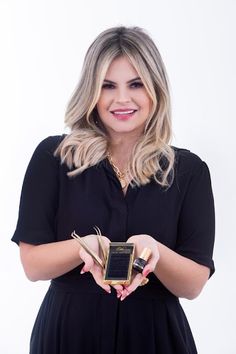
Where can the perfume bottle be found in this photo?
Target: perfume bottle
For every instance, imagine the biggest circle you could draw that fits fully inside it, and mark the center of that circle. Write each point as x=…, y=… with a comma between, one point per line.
x=141, y=261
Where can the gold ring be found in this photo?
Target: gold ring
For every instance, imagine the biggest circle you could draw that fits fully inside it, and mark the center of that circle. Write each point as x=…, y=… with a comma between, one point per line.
x=144, y=281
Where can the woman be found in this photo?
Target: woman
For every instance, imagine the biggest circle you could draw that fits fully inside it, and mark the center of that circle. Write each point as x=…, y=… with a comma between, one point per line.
x=116, y=170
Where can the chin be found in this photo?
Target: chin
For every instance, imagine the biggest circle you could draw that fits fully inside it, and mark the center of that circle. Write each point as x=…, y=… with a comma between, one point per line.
x=126, y=130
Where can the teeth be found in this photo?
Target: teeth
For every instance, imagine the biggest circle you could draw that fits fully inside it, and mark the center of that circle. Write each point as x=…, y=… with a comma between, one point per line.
x=124, y=112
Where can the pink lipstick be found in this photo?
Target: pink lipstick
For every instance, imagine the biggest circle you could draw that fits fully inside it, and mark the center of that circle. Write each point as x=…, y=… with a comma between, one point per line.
x=123, y=114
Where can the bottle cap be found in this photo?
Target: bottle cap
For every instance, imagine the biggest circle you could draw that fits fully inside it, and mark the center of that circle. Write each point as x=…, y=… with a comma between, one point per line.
x=146, y=253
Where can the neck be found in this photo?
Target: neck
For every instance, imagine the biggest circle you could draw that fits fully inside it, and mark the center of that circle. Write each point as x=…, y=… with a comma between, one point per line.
x=121, y=147
x=120, y=155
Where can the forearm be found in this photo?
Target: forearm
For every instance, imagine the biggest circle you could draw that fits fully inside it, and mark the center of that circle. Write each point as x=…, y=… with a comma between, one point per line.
x=48, y=261
x=180, y=275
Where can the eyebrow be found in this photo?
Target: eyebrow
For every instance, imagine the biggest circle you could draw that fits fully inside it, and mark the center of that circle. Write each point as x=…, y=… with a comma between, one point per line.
x=128, y=82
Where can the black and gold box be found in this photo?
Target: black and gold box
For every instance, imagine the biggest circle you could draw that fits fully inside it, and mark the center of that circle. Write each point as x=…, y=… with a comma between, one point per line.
x=118, y=268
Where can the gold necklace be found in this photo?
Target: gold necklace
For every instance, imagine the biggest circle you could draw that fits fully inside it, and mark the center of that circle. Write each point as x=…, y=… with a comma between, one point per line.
x=120, y=175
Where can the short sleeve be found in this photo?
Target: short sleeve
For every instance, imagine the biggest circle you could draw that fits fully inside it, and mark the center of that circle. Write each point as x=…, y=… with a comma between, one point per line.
x=196, y=228
x=39, y=196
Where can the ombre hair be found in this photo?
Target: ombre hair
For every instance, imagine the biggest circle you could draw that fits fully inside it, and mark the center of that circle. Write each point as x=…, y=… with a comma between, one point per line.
x=88, y=142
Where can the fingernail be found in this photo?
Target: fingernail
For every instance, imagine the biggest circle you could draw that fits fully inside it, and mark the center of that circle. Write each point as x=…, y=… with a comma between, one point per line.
x=124, y=294
x=82, y=271
x=146, y=272
x=108, y=291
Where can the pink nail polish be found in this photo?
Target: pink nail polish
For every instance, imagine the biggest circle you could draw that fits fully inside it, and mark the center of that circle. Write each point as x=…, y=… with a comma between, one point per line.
x=146, y=272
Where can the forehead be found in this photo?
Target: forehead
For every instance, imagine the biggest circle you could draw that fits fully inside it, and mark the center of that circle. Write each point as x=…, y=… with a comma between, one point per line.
x=121, y=67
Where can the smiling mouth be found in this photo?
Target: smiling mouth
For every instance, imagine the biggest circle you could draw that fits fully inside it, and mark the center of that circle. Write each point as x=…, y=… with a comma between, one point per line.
x=124, y=112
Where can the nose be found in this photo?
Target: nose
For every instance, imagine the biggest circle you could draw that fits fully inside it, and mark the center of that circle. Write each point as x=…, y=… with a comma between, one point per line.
x=123, y=95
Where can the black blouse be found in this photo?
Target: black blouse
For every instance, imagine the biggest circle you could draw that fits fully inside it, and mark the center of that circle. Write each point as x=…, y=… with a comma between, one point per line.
x=52, y=205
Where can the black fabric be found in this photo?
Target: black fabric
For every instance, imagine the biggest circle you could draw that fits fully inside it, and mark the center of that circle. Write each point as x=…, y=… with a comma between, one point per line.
x=76, y=315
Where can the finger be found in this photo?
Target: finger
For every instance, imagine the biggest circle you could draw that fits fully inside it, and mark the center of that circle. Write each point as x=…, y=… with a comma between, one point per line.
x=146, y=270
x=99, y=280
x=150, y=267
x=135, y=283
x=88, y=261
x=119, y=289
x=106, y=240
x=91, y=267
x=124, y=294
x=97, y=274
x=137, y=280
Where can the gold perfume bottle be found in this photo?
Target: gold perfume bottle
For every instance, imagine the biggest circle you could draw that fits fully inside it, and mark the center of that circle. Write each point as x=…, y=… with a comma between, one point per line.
x=141, y=261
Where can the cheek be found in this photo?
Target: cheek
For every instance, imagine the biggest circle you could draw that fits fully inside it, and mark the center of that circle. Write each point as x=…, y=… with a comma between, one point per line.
x=150, y=105
x=144, y=101
x=102, y=103
x=147, y=104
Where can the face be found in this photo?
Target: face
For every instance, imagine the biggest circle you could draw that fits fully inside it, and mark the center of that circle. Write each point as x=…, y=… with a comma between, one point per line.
x=124, y=104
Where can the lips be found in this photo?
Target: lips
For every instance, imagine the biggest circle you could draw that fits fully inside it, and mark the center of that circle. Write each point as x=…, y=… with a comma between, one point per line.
x=123, y=114
x=123, y=111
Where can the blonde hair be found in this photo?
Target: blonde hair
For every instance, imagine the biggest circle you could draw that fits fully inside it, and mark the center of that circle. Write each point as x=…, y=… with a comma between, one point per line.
x=87, y=143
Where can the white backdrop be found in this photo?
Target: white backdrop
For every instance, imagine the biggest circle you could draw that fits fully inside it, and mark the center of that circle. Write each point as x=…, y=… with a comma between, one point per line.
x=42, y=47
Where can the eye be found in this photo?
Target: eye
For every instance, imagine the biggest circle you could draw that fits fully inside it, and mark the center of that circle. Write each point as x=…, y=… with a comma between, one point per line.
x=136, y=84
x=108, y=86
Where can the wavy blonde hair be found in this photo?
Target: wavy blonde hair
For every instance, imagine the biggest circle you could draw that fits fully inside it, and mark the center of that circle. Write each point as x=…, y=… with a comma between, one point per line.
x=87, y=143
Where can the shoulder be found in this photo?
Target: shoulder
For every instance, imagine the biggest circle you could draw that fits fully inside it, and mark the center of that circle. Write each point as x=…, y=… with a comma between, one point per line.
x=44, y=155
x=187, y=162
x=50, y=143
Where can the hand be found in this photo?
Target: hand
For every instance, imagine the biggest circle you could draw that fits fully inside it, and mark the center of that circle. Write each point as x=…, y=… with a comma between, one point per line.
x=91, y=266
x=142, y=241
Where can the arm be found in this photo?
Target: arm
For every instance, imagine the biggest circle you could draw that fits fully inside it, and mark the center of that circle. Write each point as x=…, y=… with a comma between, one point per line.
x=180, y=275
x=42, y=257
x=186, y=271
x=48, y=261
x=196, y=227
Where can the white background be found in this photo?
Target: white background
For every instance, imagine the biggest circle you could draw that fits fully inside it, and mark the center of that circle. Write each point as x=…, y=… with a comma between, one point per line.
x=42, y=47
